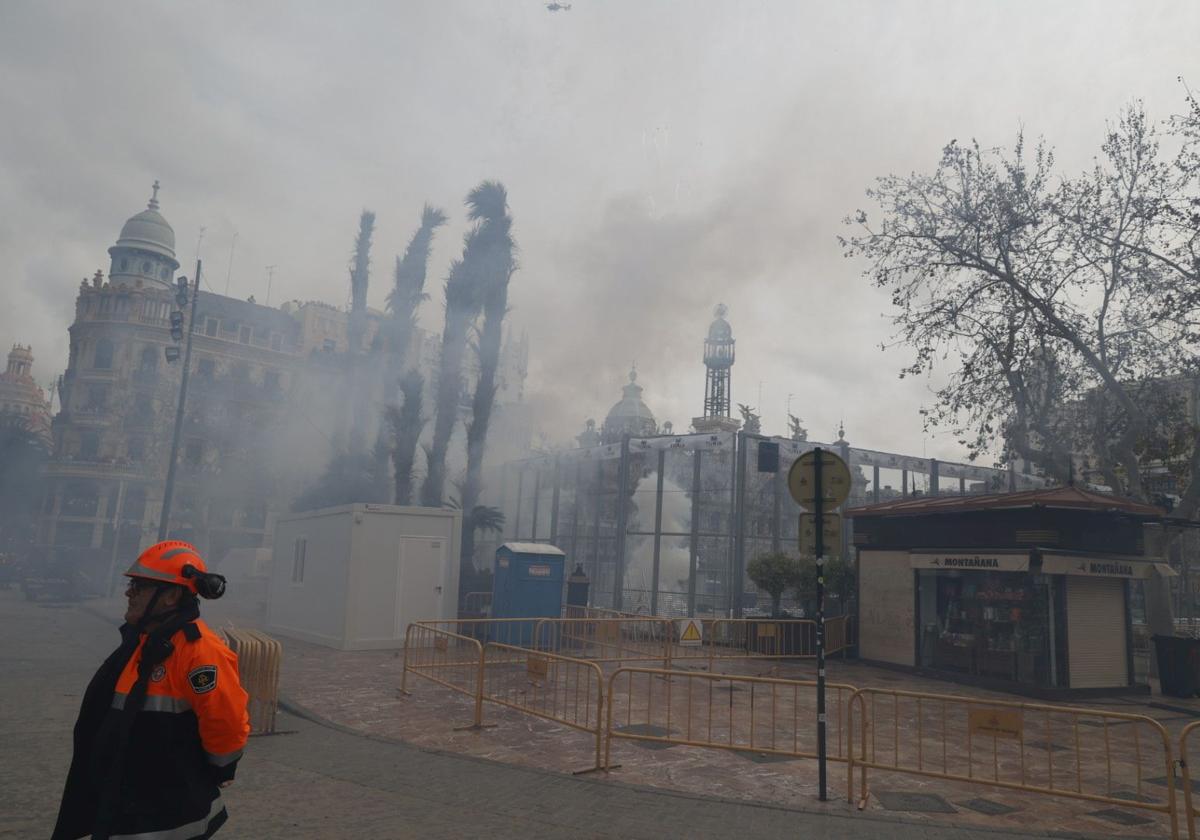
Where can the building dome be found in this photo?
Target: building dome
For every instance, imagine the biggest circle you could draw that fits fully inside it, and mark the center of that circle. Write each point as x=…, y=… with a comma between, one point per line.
x=630, y=416
x=149, y=231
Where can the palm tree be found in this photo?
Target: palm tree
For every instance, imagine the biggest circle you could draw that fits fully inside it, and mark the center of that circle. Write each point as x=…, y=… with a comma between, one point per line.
x=406, y=423
x=463, y=288
x=359, y=280
x=407, y=294
x=488, y=205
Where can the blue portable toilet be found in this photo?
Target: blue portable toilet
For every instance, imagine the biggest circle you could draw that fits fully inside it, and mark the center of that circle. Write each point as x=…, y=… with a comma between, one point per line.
x=527, y=582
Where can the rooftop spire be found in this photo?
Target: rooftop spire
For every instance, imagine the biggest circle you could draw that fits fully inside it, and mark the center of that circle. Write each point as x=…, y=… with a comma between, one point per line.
x=153, y=205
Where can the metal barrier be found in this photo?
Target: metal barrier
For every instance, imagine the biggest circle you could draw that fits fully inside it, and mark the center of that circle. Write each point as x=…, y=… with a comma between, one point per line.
x=1011, y=745
x=723, y=711
x=546, y=685
x=506, y=631
x=259, y=658
x=451, y=660
x=572, y=611
x=638, y=639
x=1189, y=812
x=769, y=638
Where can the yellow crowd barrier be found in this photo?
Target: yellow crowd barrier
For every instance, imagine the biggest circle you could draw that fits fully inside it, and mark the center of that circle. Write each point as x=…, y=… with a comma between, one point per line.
x=546, y=685
x=1089, y=754
x=768, y=638
x=724, y=711
x=607, y=639
x=259, y=657
x=451, y=660
x=1189, y=812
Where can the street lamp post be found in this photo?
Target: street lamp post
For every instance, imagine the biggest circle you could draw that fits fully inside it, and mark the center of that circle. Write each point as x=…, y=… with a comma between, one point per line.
x=169, y=488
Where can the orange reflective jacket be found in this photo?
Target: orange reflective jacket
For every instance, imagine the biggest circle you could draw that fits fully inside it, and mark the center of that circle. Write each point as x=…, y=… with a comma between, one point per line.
x=155, y=772
x=200, y=677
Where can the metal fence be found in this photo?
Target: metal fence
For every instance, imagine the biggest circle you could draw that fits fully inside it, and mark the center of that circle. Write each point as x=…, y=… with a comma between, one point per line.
x=722, y=711
x=666, y=525
x=1089, y=754
x=546, y=685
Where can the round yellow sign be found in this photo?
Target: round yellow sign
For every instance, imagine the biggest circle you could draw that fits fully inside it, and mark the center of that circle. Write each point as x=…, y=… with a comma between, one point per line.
x=835, y=480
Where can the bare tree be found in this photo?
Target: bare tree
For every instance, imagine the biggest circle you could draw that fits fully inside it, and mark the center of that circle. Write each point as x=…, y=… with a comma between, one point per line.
x=1063, y=303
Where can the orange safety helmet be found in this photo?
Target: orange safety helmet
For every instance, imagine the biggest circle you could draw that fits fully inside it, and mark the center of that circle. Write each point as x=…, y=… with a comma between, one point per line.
x=167, y=562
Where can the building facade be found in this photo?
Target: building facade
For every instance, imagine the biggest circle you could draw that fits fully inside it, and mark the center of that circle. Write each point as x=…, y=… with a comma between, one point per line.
x=263, y=416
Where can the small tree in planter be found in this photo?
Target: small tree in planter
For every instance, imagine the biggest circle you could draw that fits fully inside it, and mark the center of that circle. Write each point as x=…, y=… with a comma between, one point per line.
x=774, y=573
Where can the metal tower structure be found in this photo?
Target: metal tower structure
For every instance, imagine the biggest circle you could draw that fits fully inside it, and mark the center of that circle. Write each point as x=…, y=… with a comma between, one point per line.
x=718, y=359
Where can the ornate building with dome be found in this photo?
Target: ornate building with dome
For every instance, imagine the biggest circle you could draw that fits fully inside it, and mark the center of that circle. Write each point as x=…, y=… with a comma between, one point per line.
x=629, y=416
x=258, y=424
x=22, y=401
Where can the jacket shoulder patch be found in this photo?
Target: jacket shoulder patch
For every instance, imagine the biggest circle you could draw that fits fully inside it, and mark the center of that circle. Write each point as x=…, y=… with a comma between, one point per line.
x=203, y=679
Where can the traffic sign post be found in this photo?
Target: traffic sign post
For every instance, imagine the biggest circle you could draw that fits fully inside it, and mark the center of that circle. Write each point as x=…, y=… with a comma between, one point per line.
x=817, y=480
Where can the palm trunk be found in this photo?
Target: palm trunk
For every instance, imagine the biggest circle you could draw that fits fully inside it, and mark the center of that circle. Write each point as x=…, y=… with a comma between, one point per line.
x=407, y=423
x=454, y=347
x=359, y=279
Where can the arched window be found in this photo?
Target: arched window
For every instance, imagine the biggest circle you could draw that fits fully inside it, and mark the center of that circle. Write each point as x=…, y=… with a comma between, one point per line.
x=104, y=355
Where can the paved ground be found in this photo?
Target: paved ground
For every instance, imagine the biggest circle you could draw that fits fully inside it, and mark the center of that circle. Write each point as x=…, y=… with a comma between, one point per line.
x=326, y=782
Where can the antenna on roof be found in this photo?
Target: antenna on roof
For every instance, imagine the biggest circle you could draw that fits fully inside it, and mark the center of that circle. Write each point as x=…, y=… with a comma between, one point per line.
x=229, y=273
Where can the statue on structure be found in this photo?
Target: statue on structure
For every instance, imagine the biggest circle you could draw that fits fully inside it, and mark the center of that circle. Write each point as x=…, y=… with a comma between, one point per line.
x=795, y=430
x=751, y=422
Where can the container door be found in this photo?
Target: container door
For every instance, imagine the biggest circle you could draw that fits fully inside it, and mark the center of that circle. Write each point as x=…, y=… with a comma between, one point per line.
x=420, y=571
x=1096, y=632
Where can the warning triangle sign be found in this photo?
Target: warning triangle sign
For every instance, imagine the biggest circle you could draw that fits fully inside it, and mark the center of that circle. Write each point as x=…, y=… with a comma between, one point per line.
x=691, y=633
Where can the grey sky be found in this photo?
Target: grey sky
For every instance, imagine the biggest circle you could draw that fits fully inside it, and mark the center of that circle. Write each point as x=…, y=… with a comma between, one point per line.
x=660, y=157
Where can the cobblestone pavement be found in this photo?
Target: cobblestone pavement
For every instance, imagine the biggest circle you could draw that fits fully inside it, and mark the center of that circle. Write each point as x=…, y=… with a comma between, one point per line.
x=324, y=781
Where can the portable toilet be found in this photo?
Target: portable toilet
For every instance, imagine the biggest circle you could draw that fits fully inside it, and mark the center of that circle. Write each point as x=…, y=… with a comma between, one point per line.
x=527, y=582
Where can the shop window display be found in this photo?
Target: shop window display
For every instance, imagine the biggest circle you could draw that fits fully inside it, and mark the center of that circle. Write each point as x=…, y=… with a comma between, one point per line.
x=992, y=625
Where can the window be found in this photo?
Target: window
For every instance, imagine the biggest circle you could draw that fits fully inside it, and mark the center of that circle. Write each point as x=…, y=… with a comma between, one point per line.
x=89, y=446
x=136, y=448
x=143, y=409
x=149, y=362
x=240, y=372
x=134, y=507
x=165, y=273
x=329, y=345
x=124, y=264
x=147, y=268
x=74, y=535
x=271, y=382
x=210, y=326
x=206, y=368
x=80, y=499
x=276, y=341
x=103, y=358
x=97, y=397
x=48, y=505
x=299, y=555
x=244, y=335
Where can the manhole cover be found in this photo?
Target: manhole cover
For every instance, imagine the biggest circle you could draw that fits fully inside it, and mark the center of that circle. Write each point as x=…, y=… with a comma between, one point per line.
x=928, y=803
x=987, y=806
x=649, y=730
x=1121, y=817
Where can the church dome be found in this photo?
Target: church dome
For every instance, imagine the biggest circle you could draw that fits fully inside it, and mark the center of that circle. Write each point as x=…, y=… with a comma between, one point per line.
x=630, y=416
x=149, y=231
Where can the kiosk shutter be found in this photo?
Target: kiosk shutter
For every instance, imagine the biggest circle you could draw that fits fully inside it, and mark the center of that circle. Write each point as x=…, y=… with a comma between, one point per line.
x=1096, y=631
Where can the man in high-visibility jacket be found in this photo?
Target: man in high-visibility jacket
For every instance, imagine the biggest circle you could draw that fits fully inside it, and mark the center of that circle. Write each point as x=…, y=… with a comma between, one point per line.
x=163, y=722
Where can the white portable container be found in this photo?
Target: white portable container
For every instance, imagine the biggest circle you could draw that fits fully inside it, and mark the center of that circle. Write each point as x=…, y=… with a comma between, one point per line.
x=353, y=577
